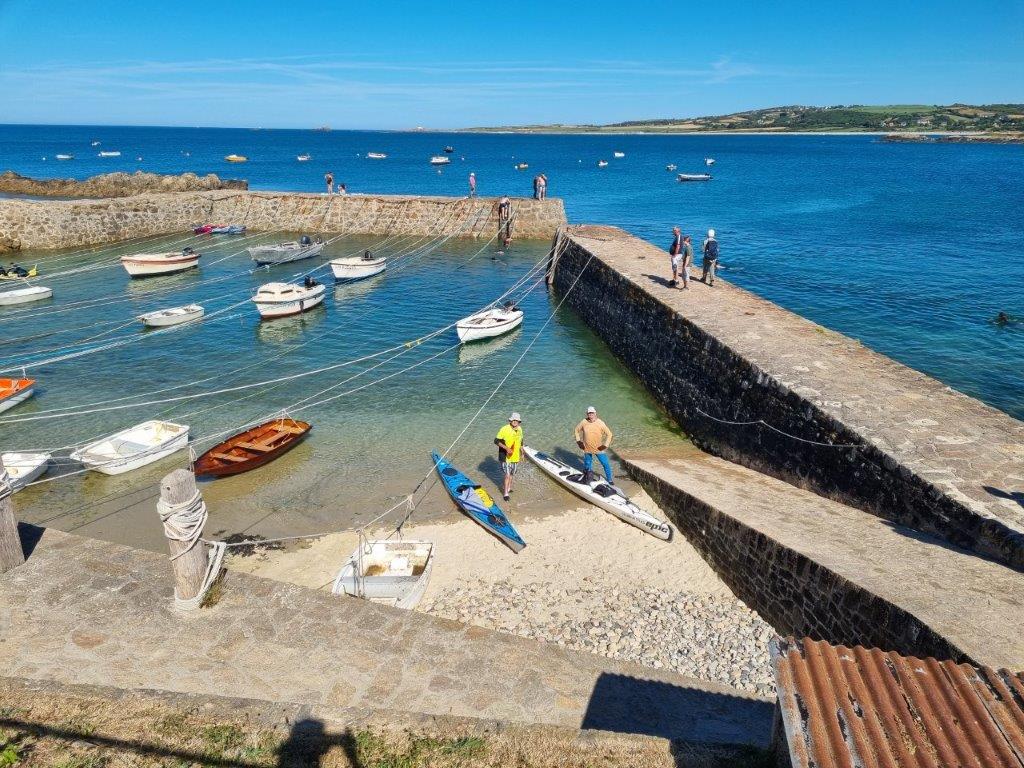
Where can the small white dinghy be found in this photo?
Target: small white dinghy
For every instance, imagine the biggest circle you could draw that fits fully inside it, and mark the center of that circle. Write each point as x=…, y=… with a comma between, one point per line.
x=489, y=323
x=24, y=468
x=393, y=573
x=377, y=155
x=709, y=161
x=134, y=447
x=693, y=177
x=602, y=163
x=173, y=316
x=302, y=158
x=152, y=264
x=618, y=154
x=282, y=253
x=285, y=299
x=358, y=267
x=599, y=493
x=65, y=157
x=24, y=295
x=439, y=160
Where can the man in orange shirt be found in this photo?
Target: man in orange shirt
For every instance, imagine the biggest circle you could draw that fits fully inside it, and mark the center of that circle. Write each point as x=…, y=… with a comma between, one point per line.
x=593, y=437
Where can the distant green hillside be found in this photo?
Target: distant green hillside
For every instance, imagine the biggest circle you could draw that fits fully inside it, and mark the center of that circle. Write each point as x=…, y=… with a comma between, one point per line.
x=899, y=117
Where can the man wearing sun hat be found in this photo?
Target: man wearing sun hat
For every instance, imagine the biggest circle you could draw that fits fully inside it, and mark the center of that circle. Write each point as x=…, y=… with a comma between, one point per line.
x=593, y=437
x=509, y=442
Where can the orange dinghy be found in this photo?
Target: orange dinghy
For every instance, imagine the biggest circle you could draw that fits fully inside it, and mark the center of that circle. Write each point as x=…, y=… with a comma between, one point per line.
x=14, y=391
x=252, y=448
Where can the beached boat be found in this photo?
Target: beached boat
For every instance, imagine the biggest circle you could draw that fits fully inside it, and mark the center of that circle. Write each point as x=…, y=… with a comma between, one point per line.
x=600, y=493
x=693, y=177
x=521, y=166
x=285, y=299
x=163, y=318
x=134, y=447
x=394, y=573
x=252, y=448
x=282, y=253
x=24, y=468
x=303, y=158
x=65, y=157
x=489, y=323
x=228, y=229
x=618, y=154
x=671, y=167
x=440, y=160
x=204, y=229
x=602, y=163
x=236, y=158
x=376, y=155
x=109, y=154
x=709, y=161
x=152, y=264
x=25, y=295
x=14, y=391
x=17, y=273
x=472, y=499
x=358, y=267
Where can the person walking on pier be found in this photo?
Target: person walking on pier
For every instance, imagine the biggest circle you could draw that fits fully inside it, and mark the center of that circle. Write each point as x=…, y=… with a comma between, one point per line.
x=536, y=187
x=329, y=178
x=509, y=441
x=472, y=184
x=710, y=251
x=593, y=438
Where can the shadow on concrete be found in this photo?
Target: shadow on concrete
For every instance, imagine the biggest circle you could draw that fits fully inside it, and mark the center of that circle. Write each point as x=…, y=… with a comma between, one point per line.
x=491, y=469
x=664, y=282
x=626, y=704
x=1017, y=496
x=30, y=536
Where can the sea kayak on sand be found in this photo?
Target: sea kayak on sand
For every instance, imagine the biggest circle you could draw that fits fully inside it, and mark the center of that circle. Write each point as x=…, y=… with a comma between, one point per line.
x=599, y=493
x=477, y=503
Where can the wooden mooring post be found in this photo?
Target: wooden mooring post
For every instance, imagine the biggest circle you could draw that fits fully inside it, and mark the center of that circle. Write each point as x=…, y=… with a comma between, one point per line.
x=11, y=553
x=189, y=568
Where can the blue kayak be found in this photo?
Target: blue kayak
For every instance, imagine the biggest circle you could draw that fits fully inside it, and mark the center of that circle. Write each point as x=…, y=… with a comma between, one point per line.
x=477, y=503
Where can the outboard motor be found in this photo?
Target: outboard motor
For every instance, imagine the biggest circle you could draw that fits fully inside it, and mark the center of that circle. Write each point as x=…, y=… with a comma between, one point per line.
x=304, y=240
x=367, y=256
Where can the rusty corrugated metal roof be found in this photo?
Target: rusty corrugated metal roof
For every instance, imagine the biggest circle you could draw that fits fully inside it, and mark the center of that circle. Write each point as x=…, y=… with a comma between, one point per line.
x=865, y=708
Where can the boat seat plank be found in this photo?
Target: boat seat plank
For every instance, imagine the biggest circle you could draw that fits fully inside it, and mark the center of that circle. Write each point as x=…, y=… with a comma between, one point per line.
x=229, y=457
x=289, y=430
x=261, y=447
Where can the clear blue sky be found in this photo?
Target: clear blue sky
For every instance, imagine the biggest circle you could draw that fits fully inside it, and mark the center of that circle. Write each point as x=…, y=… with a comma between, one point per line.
x=387, y=64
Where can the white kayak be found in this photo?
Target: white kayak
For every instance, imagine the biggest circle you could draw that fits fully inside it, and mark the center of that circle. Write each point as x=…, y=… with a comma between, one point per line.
x=393, y=573
x=134, y=447
x=173, y=316
x=23, y=468
x=599, y=493
x=489, y=323
x=24, y=295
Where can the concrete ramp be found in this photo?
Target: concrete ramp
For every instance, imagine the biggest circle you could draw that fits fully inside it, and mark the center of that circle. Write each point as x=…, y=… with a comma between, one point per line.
x=814, y=567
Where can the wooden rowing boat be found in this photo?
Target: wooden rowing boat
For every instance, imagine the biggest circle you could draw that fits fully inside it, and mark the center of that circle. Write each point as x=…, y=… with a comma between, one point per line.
x=252, y=448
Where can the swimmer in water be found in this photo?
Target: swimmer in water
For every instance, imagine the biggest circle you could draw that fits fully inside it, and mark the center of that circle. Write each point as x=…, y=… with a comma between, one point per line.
x=1003, y=319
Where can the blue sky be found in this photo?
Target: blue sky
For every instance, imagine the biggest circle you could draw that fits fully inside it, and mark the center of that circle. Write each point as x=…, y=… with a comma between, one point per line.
x=454, y=64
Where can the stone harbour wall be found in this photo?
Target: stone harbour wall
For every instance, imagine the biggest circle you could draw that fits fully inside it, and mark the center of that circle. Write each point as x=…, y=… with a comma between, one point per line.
x=737, y=372
x=39, y=224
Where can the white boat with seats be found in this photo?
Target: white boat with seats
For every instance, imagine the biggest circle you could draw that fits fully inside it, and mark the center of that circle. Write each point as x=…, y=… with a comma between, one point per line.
x=282, y=253
x=24, y=468
x=133, y=447
x=489, y=323
x=167, y=263
x=358, y=267
x=163, y=318
x=394, y=573
x=285, y=299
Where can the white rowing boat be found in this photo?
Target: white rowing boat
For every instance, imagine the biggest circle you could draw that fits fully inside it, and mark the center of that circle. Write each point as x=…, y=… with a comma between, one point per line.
x=65, y=157
x=394, y=573
x=489, y=323
x=25, y=295
x=285, y=299
x=358, y=267
x=602, y=163
x=693, y=177
x=599, y=493
x=709, y=161
x=302, y=158
x=282, y=253
x=439, y=160
x=618, y=154
x=14, y=391
x=163, y=318
x=109, y=154
x=134, y=447
x=376, y=155
x=24, y=468
x=153, y=264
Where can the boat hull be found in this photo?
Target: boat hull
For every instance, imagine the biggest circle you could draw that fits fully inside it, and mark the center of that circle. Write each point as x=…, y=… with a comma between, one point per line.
x=397, y=590
x=90, y=457
x=24, y=295
x=349, y=270
x=25, y=468
x=615, y=504
x=267, y=256
x=493, y=520
x=270, y=310
x=211, y=463
x=694, y=177
x=15, y=394
x=469, y=331
x=147, y=268
x=163, y=319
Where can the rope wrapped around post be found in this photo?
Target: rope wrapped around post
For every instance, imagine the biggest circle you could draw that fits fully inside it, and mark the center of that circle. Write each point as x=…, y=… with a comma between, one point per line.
x=183, y=514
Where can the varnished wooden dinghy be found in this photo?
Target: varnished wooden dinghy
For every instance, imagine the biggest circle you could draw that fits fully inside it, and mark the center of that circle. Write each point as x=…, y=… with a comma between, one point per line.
x=252, y=448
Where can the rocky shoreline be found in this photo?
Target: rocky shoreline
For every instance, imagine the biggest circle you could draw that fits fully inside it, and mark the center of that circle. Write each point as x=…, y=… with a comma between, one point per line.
x=709, y=637
x=115, y=184
x=955, y=138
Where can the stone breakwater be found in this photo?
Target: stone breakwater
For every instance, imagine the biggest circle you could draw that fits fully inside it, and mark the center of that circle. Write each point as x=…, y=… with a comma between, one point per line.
x=118, y=184
x=707, y=637
x=726, y=363
x=35, y=224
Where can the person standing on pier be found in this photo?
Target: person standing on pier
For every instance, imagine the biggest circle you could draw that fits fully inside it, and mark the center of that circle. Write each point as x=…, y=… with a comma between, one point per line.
x=329, y=178
x=710, y=251
x=675, y=254
x=505, y=219
x=684, y=268
x=509, y=440
x=593, y=438
x=472, y=184
x=536, y=187
x=542, y=188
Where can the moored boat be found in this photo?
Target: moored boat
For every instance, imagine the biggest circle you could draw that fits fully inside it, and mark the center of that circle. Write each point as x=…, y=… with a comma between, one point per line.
x=109, y=154
x=14, y=391
x=600, y=493
x=24, y=468
x=163, y=318
x=709, y=161
x=376, y=155
x=133, y=447
x=449, y=149
x=228, y=229
x=302, y=158
x=358, y=267
x=25, y=295
x=521, y=166
x=65, y=157
x=618, y=154
x=236, y=158
x=252, y=448
x=472, y=499
x=285, y=299
x=693, y=177
x=18, y=273
x=394, y=573
x=204, y=229
x=602, y=163
x=671, y=167
x=489, y=323
x=152, y=264
x=282, y=253
x=439, y=160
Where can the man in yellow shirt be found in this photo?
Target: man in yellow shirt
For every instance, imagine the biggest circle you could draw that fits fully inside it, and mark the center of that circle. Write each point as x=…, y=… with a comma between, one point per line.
x=593, y=437
x=509, y=442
